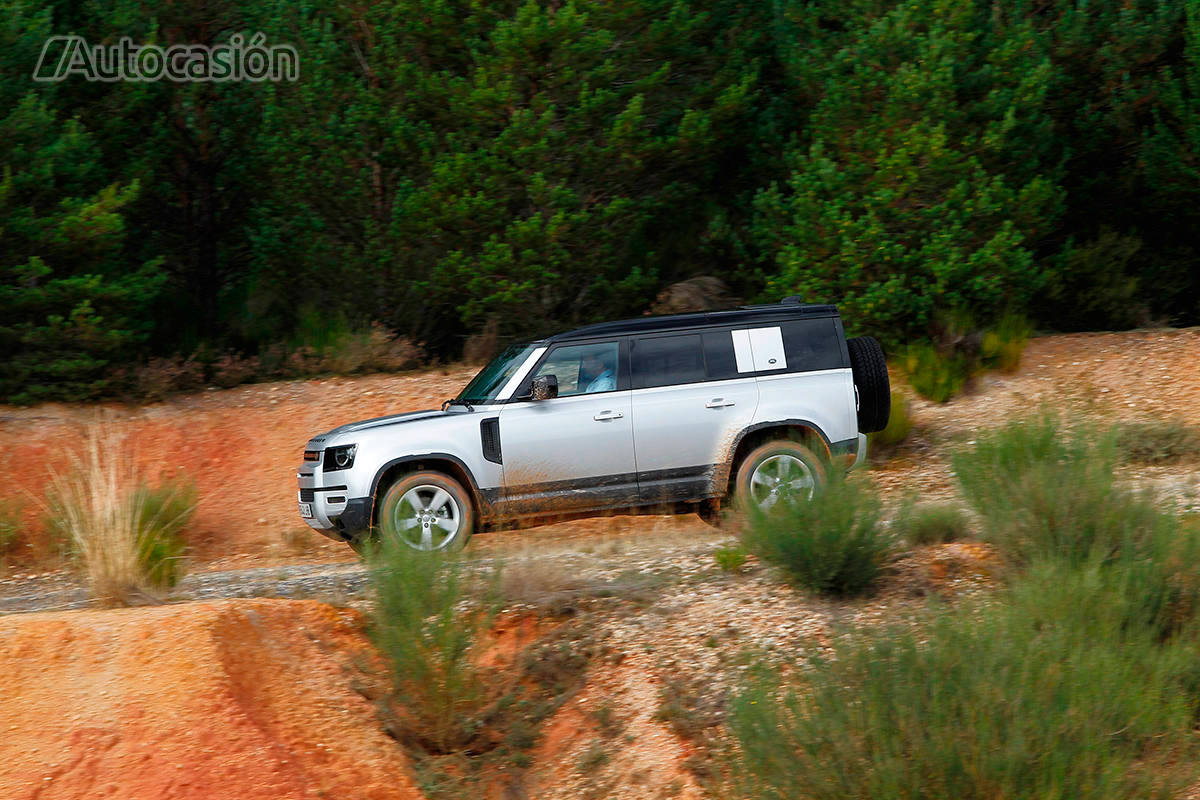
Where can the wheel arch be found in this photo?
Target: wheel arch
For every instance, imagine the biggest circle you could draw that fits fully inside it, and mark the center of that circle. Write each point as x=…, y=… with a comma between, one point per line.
x=453, y=466
x=804, y=431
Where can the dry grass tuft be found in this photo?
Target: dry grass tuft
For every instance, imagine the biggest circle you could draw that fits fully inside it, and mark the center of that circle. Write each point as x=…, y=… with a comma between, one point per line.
x=115, y=525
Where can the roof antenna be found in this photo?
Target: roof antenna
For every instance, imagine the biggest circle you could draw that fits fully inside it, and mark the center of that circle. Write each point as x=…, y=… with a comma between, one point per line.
x=792, y=300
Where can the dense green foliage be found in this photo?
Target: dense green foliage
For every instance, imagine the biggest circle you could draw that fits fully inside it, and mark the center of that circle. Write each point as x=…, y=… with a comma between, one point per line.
x=833, y=544
x=1076, y=677
x=1053, y=689
x=443, y=166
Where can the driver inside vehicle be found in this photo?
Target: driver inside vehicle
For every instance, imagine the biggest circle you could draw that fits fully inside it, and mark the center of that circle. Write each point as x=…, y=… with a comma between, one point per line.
x=598, y=371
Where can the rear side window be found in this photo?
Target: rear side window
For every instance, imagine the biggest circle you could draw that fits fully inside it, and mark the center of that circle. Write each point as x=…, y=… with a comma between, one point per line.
x=668, y=360
x=719, y=355
x=812, y=344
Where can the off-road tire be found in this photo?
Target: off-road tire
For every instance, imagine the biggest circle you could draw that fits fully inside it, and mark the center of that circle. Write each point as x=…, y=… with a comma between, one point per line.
x=743, y=496
x=869, y=366
x=386, y=528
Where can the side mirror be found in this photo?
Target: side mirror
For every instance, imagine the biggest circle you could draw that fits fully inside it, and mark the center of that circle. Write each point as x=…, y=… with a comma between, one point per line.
x=545, y=387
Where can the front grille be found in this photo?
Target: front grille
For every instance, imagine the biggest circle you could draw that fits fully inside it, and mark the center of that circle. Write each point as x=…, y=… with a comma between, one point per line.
x=312, y=455
x=307, y=495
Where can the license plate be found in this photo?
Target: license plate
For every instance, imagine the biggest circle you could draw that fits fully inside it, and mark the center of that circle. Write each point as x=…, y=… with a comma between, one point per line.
x=306, y=510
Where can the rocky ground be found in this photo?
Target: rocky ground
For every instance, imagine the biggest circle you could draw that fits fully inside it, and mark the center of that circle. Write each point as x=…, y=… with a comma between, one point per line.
x=125, y=701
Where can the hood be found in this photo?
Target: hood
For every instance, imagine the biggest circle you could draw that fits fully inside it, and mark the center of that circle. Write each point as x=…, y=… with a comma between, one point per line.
x=379, y=422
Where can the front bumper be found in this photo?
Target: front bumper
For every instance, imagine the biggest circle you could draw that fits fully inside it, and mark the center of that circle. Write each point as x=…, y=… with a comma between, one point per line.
x=334, y=513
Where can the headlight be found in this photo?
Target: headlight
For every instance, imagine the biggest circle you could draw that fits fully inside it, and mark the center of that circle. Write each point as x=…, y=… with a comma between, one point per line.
x=340, y=457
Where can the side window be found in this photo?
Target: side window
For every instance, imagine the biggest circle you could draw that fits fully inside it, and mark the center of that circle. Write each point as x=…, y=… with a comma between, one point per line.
x=668, y=360
x=719, y=355
x=812, y=344
x=582, y=368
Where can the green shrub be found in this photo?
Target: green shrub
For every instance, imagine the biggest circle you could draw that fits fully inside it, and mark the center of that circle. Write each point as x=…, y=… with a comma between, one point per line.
x=426, y=624
x=833, y=544
x=1001, y=346
x=10, y=528
x=899, y=425
x=730, y=559
x=162, y=512
x=932, y=523
x=1050, y=692
x=1045, y=492
x=1157, y=442
x=934, y=375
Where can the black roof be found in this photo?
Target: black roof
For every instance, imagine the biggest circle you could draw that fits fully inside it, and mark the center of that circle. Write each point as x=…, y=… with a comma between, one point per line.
x=744, y=315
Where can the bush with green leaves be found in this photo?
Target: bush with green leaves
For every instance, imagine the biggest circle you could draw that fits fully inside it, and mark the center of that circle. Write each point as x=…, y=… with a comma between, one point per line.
x=428, y=617
x=932, y=523
x=1158, y=441
x=900, y=423
x=1057, y=688
x=10, y=528
x=1045, y=491
x=1001, y=346
x=834, y=544
x=935, y=375
x=162, y=513
x=730, y=559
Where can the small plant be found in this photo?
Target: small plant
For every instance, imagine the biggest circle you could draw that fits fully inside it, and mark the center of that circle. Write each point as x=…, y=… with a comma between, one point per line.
x=1045, y=492
x=833, y=544
x=606, y=721
x=1158, y=442
x=1001, y=347
x=934, y=375
x=932, y=523
x=899, y=425
x=594, y=757
x=730, y=558
x=127, y=535
x=1052, y=690
x=426, y=625
x=162, y=512
x=10, y=528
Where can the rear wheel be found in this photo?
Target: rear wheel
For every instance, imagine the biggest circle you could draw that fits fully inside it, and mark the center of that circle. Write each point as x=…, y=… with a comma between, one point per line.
x=427, y=511
x=778, y=472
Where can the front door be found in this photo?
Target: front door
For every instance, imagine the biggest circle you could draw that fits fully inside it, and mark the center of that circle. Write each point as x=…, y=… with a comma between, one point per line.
x=573, y=452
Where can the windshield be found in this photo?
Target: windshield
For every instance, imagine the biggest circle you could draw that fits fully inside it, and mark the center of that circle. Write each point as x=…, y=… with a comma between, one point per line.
x=484, y=387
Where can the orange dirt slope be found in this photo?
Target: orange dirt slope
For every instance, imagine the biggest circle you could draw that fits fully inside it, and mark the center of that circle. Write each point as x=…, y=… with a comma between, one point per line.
x=246, y=700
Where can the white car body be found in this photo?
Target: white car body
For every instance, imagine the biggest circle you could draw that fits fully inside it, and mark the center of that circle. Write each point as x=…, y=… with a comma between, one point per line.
x=656, y=440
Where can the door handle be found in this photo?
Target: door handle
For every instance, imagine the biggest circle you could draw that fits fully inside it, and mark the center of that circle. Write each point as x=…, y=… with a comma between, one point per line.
x=604, y=416
x=719, y=402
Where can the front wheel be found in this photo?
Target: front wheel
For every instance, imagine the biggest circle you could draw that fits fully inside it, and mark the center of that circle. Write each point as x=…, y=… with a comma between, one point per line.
x=778, y=472
x=427, y=511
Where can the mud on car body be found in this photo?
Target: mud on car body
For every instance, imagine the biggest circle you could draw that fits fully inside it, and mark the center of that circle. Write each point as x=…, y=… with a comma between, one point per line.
x=682, y=413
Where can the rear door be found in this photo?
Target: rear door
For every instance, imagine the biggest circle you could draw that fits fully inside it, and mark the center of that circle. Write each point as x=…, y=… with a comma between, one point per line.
x=689, y=403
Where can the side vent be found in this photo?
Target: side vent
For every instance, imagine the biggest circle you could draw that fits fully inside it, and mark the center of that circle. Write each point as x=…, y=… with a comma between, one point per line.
x=489, y=433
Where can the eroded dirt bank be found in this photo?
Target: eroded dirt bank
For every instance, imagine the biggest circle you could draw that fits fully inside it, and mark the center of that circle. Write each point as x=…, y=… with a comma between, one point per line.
x=245, y=700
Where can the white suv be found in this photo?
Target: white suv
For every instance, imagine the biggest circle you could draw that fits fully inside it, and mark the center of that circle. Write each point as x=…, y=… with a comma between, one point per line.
x=677, y=414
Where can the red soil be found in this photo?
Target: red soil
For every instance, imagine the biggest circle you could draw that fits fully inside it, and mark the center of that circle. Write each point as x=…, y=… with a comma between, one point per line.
x=244, y=700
